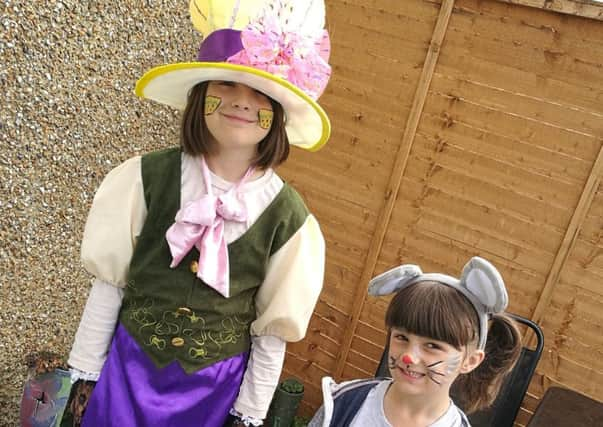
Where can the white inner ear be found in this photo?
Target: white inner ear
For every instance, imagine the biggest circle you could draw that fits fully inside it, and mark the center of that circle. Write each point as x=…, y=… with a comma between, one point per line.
x=481, y=286
x=388, y=282
x=388, y=288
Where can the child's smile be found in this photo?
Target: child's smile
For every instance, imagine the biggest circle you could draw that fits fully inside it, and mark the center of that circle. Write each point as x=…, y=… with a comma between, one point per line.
x=413, y=359
x=412, y=375
x=232, y=114
x=237, y=118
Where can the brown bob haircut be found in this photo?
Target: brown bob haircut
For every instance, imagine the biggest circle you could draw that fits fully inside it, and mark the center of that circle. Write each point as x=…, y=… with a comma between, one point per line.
x=430, y=309
x=196, y=139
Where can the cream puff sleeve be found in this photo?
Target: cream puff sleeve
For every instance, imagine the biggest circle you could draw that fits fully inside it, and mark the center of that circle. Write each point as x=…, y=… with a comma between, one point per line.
x=284, y=305
x=286, y=299
x=114, y=223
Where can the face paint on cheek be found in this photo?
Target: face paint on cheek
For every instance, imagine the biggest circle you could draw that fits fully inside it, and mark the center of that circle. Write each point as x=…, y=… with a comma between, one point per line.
x=450, y=365
x=211, y=104
x=433, y=373
x=265, y=118
x=392, y=361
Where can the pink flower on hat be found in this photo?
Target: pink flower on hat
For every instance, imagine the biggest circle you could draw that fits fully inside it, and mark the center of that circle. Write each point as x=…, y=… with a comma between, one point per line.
x=299, y=59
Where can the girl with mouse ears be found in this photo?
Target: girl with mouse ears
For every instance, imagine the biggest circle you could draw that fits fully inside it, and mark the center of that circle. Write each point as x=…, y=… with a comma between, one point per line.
x=441, y=330
x=206, y=263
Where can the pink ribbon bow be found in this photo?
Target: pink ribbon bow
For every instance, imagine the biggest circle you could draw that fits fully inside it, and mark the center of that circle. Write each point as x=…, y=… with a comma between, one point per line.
x=299, y=59
x=201, y=224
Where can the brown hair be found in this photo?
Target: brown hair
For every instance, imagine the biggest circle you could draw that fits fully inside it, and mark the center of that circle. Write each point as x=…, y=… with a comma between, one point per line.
x=196, y=139
x=438, y=311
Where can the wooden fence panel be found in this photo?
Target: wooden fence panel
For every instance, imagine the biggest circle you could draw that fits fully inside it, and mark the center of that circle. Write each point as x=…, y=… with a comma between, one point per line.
x=378, y=53
x=503, y=164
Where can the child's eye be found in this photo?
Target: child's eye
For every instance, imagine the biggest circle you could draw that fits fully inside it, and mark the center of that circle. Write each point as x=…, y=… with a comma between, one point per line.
x=434, y=346
x=401, y=337
x=226, y=83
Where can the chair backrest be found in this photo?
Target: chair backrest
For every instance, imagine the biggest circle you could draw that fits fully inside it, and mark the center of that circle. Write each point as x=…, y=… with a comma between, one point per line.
x=503, y=411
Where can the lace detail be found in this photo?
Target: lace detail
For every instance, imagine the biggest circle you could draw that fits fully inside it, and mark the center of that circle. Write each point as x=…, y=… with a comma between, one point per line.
x=248, y=421
x=76, y=374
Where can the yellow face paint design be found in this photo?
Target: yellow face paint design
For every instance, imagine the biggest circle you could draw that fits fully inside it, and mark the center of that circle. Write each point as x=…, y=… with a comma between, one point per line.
x=211, y=104
x=265, y=118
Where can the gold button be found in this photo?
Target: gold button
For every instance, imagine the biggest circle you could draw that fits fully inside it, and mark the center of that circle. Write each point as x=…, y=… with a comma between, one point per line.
x=194, y=267
x=184, y=311
x=177, y=342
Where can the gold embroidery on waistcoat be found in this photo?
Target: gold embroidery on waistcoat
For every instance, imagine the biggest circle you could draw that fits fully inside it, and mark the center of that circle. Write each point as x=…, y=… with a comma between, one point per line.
x=186, y=331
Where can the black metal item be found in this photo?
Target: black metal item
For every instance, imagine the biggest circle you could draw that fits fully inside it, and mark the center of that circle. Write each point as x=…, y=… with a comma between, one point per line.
x=383, y=368
x=506, y=406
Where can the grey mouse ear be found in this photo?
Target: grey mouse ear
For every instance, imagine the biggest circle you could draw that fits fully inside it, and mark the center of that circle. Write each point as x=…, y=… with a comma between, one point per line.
x=393, y=280
x=485, y=283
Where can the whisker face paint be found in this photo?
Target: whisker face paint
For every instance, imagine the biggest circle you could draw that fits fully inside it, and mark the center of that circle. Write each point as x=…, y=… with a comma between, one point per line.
x=449, y=365
x=431, y=376
x=418, y=356
x=211, y=104
x=431, y=373
x=392, y=362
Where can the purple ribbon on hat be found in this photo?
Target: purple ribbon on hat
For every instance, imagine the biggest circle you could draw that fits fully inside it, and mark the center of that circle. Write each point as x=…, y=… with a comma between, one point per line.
x=220, y=45
x=300, y=59
x=201, y=224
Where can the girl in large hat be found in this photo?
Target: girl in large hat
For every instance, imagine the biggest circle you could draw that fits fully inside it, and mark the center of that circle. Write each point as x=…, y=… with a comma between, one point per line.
x=206, y=263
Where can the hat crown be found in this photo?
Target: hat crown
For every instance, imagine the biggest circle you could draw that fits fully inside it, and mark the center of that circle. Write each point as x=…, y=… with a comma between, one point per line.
x=304, y=17
x=284, y=38
x=278, y=47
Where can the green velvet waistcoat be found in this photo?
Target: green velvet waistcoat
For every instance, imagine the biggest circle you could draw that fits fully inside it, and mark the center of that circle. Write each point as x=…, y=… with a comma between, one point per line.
x=170, y=312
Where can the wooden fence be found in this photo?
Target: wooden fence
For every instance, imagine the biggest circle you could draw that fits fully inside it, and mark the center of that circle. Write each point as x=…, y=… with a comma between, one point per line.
x=467, y=127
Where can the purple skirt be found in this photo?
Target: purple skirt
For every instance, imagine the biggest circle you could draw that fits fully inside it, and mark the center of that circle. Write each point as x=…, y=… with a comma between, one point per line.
x=131, y=391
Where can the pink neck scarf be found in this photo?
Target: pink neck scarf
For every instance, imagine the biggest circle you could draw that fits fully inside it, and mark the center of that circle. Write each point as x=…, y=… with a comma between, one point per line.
x=201, y=224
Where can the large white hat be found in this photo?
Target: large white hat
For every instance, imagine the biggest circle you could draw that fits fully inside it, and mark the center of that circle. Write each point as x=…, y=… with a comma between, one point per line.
x=279, y=47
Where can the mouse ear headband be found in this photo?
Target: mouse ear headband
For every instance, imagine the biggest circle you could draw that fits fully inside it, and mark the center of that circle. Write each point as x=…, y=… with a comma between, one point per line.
x=480, y=283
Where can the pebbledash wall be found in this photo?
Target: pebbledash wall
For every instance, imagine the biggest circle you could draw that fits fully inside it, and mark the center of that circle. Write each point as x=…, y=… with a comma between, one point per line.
x=460, y=128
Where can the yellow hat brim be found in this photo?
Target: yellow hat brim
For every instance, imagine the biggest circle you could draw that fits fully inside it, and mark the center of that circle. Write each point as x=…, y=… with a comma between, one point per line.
x=307, y=126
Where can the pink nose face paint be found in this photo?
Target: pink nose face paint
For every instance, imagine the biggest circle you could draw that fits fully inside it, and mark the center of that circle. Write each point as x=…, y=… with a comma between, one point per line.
x=406, y=359
x=211, y=104
x=265, y=118
x=435, y=371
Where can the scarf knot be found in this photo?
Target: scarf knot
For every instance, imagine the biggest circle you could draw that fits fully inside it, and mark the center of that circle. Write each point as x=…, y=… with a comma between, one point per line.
x=200, y=223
